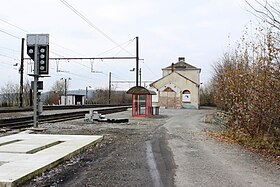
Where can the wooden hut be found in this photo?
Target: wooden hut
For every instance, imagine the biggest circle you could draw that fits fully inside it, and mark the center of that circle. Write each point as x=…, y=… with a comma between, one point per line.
x=141, y=101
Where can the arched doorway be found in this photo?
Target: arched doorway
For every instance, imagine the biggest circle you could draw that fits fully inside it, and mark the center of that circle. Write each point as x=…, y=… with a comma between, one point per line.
x=168, y=98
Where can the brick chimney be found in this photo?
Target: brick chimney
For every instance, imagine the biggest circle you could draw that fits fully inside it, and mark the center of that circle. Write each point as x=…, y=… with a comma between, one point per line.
x=181, y=59
x=172, y=67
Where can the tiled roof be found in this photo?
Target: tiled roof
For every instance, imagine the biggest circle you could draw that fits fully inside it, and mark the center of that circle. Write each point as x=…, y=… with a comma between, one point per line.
x=181, y=65
x=173, y=73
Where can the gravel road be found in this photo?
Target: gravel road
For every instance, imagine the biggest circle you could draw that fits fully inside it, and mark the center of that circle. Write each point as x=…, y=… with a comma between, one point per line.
x=171, y=149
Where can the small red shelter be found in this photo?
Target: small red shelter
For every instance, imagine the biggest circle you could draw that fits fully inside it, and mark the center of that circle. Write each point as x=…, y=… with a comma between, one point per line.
x=141, y=101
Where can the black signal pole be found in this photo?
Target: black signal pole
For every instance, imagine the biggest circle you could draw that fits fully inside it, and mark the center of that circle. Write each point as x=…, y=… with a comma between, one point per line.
x=137, y=61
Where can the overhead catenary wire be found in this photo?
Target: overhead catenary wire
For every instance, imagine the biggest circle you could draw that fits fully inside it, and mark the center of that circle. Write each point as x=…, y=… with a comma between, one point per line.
x=9, y=49
x=156, y=76
x=77, y=76
x=7, y=33
x=24, y=30
x=13, y=25
x=124, y=47
x=84, y=68
x=92, y=25
x=124, y=43
x=81, y=76
x=6, y=63
x=53, y=52
x=75, y=52
x=9, y=57
x=57, y=53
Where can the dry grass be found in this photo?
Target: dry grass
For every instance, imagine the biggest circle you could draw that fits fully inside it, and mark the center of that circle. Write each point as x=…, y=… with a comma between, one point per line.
x=269, y=148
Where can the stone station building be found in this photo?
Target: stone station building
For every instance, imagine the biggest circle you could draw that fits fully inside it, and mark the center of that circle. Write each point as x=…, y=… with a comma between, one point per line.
x=179, y=86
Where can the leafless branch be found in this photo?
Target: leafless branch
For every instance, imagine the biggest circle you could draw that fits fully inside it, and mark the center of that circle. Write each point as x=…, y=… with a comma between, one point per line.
x=267, y=14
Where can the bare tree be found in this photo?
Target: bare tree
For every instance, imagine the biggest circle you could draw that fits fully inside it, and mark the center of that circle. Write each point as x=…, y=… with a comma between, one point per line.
x=10, y=94
x=247, y=86
x=207, y=94
x=101, y=96
x=26, y=93
x=57, y=90
x=268, y=11
x=59, y=87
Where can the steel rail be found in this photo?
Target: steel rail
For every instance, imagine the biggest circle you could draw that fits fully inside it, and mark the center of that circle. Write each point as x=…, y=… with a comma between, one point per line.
x=58, y=107
x=23, y=122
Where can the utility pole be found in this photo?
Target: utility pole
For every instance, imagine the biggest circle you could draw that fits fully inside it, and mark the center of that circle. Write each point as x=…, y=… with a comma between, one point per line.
x=65, y=88
x=65, y=91
x=21, y=73
x=86, y=94
x=137, y=60
x=110, y=82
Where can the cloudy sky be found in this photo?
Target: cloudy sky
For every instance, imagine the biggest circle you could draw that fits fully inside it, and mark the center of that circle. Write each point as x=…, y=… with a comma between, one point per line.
x=199, y=30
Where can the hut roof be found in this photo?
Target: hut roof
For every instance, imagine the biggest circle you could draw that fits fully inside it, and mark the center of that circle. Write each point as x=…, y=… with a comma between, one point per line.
x=140, y=90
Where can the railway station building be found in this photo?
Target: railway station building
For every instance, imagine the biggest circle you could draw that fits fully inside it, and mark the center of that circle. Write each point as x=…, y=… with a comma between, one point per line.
x=179, y=86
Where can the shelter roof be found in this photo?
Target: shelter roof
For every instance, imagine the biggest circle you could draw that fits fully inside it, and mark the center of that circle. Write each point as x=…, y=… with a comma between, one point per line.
x=140, y=90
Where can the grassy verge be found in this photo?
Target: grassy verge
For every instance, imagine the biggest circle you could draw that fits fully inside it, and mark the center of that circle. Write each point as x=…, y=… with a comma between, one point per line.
x=269, y=147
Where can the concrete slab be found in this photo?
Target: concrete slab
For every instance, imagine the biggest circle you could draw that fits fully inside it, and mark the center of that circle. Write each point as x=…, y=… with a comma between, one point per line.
x=23, y=156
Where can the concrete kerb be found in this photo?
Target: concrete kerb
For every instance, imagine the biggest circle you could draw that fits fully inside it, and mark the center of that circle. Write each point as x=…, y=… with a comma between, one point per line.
x=49, y=166
x=54, y=164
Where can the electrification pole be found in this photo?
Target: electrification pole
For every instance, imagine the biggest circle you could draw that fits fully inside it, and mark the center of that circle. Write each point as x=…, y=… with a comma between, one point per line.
x=140, y=76
x=21, y=73
x=137, y=61
x=65, y=90
x=110, y=83
x=86, y=94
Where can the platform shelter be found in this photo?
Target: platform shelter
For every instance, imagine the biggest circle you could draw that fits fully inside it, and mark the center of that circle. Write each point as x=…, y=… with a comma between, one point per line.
x=141, y=101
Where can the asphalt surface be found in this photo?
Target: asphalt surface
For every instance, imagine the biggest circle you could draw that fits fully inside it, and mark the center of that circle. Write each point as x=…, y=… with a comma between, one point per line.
x=163, y=151
x=202, y=161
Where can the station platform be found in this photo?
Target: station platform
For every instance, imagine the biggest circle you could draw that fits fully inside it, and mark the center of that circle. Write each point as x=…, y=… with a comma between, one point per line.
x=25, y=155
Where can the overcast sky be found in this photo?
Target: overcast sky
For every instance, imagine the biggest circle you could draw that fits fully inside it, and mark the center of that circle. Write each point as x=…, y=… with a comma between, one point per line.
x=199, y=30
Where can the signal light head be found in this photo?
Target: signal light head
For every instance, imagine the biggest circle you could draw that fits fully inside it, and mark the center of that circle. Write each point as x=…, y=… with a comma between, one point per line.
x=31, y=51
x=43, y=59
x=42, y=50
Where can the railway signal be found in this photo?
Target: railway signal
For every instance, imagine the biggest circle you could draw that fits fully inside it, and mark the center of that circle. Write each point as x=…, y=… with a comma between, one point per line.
x=31, y=51
x=43, y=59
x=38, y=50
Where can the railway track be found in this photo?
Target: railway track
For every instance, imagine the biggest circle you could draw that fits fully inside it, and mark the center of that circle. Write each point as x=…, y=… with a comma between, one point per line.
x=23, y=122
x=58, y=107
